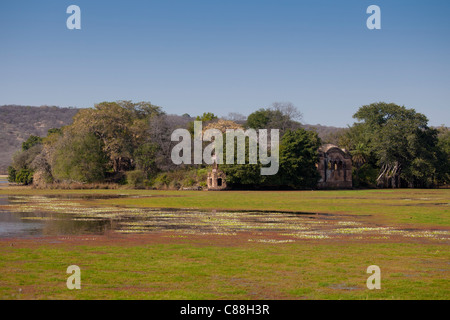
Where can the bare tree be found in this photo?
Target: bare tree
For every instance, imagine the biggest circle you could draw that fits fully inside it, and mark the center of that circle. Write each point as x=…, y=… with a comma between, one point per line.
x=236, y=117
x=289, y=110
x=161, y=128
x=285, y=116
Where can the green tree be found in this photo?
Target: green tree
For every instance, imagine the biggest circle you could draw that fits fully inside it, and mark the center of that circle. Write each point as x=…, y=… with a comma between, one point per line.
x=259, y=119
x=206, y=116
x=404, y=146
x=360, y=155
x=282, y=116
x=444, y=139
x=443, y=155
x=297, y=168
x=12, y=174
x=31, y=142
x=24, y=176
x=145, y=158
x=298, y=159
x=80, y=157
x=22, y=169
x=242, y=175
x=121, y=126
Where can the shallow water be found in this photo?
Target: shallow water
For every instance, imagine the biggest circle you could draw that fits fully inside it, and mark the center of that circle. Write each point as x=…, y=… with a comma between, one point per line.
x=34, y=216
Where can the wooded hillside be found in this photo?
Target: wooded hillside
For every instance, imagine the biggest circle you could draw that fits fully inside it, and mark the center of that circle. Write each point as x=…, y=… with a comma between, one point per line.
x=17, y=123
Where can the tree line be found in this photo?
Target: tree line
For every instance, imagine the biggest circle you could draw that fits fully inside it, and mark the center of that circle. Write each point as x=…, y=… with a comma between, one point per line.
x=130, y=143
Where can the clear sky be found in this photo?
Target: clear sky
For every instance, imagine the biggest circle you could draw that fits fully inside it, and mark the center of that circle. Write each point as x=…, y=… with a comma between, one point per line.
x=192, y=56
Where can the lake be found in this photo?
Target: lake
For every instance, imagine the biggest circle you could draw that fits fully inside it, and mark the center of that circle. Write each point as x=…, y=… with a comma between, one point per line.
x=52, y=215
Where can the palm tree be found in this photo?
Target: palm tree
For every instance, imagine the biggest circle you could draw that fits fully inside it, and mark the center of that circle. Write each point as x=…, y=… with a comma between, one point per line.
x=359, y=155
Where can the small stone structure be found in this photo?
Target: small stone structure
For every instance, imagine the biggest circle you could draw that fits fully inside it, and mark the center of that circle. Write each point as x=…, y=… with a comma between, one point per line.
x=216, y=179
x=335, y=167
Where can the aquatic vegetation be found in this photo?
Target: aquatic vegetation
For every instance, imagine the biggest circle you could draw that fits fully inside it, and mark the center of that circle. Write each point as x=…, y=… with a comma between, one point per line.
x=358, y=230
x=311, y=235
x=215, y=222
x=270, y=240
x=41, y=218
x=348, y=223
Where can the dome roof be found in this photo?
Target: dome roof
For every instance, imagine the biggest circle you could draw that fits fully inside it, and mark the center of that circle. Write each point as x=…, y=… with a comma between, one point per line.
x=326, y=147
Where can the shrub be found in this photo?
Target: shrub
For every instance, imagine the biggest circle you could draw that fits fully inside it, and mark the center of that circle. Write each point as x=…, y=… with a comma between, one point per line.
x=189, y=182
x=161, y=181
x=181, y=178
x=11, y=174
x=31, y=142
x=24, y=176
x=135, y=178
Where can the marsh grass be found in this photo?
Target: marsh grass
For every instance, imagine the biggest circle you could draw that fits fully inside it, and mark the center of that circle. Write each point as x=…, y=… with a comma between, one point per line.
x=409, y=206
x=61, y=212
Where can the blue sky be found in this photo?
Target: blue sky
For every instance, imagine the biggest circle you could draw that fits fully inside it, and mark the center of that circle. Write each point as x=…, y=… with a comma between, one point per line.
x=229, y=56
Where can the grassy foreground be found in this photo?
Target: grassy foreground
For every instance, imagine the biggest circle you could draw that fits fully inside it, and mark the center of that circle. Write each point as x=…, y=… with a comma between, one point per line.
x=177, y=266
x=199, y=270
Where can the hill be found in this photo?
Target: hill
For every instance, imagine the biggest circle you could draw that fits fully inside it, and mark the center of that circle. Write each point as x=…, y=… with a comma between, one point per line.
x=17, y=123
x=328, y=134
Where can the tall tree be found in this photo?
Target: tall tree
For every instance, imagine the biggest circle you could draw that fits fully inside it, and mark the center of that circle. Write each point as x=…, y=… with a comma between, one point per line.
x=403, y=144
x=297, y=168
x=121, y=126
x=79, y=157
x=298, y=159
x=282, y=116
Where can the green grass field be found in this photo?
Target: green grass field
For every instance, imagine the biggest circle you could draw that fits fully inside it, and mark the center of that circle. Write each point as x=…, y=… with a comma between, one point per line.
x=183, y=266
x=201, y=271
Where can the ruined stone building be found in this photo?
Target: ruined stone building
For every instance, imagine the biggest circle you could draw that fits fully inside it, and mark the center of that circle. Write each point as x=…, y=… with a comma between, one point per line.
x=335, y=167
x=216, y=179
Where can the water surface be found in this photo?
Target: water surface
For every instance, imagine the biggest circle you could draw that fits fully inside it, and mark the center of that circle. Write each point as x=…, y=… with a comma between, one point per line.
x=35, y=216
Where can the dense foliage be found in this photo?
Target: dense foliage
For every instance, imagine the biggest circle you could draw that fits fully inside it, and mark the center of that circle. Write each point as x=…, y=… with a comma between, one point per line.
x=399, y=144
x=130, y=143
x=297, y=152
